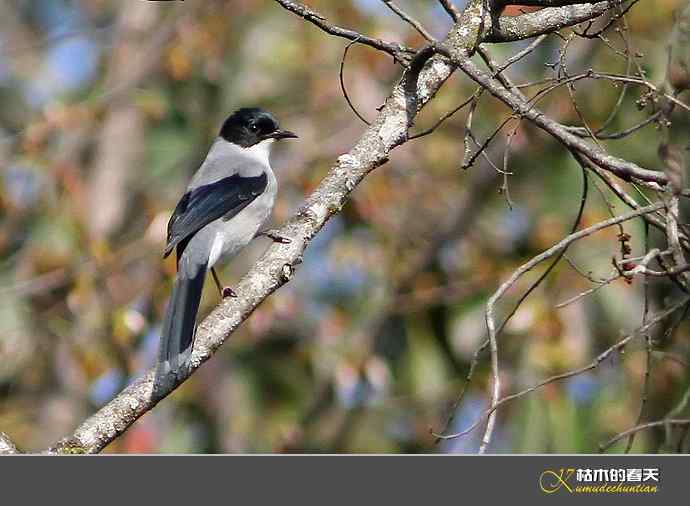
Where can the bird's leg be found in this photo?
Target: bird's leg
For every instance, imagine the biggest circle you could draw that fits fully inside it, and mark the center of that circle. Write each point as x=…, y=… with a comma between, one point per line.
x=217, y=281
x=224, y=291
x=273, y=234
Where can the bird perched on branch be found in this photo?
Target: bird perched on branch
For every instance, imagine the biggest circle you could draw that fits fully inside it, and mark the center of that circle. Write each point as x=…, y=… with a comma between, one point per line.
x=226, y=203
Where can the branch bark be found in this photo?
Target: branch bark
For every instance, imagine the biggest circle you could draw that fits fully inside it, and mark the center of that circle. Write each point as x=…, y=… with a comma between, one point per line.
x=550, y=19
x=543, y=3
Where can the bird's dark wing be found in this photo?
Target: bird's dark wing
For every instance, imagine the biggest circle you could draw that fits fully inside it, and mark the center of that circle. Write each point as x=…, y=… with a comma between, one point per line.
x=200, y=206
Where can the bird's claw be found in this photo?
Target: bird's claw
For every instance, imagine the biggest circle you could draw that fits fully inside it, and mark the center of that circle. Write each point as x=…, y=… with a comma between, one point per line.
x=276, y=237
x=228, y=292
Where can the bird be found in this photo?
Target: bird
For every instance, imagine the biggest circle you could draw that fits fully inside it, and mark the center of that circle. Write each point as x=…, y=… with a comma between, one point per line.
x=226, y=203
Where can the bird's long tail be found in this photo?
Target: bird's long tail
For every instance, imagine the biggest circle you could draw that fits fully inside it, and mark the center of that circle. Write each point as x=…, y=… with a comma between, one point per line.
x=177, y=334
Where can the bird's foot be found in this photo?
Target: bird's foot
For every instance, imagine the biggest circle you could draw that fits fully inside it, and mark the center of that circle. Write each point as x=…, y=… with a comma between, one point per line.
x=228, y=292
x=273, y=234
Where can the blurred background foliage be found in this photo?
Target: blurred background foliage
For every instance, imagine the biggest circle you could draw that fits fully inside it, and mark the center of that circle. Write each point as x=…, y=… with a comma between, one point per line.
x=107, y=107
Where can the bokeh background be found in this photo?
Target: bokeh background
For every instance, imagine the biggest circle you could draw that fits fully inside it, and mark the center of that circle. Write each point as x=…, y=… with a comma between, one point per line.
x=106, y=109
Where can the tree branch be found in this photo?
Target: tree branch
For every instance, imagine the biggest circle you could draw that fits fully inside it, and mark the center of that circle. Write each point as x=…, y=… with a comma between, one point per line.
x=551, y=19
x=644, y=426
x=417, y=25
x=451, y=9
x=542, y=3
x=7, y=447
x=398, y=51
x=598, y=360
x=622, y=168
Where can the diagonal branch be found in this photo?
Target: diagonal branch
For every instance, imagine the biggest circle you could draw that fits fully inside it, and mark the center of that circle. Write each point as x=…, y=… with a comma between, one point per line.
x=644, y=426
x=398, y=51
x=551, y=19
x=622, y=168
x=7, y=447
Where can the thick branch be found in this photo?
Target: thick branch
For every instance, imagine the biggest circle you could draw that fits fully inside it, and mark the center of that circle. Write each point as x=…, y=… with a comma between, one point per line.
x=551, y=19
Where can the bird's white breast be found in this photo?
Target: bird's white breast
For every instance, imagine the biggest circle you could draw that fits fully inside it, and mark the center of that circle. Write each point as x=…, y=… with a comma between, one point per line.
x=260, y=152
x=233, y=235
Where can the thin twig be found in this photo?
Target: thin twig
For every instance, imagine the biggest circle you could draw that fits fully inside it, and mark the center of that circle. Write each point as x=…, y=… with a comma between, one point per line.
x=622, y=343
x=440, y=121
x=451, y=9
x=559, y=256
x=582, y=132
x=490, y=305
x=409, y=20
x=342, y=83
x=644, y=426
x=398, y=51
x=649, y=348
x=500, y=68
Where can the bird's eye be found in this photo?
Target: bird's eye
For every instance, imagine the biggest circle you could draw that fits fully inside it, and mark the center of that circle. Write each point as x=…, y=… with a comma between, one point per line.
x=254, y=127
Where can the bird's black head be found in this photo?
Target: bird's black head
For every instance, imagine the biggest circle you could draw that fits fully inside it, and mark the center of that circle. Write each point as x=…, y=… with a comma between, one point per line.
x=251, y=125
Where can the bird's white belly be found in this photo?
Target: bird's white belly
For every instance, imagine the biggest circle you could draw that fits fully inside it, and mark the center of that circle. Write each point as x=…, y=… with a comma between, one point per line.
x=234, y=234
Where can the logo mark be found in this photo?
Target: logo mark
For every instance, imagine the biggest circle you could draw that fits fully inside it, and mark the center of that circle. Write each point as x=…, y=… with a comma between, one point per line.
x=552, y=481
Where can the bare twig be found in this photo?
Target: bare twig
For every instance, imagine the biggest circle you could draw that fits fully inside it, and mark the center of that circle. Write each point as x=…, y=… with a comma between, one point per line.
x=559, y=256
x=589, y=291
x=520, y=54
x=673, y=236
x=441, y=120
x=644, y=426
x=398, y=51
x=497, y=70
x=622, y=343
x=342, y=84
x=675, y=411
x=649, y=345
x=582, y=132
x=615, y=187
x=622, y=168
x=490, y=320
x=408, y=19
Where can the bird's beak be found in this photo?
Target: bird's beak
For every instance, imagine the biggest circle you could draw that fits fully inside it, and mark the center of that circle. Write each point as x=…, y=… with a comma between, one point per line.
x=283, y=134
